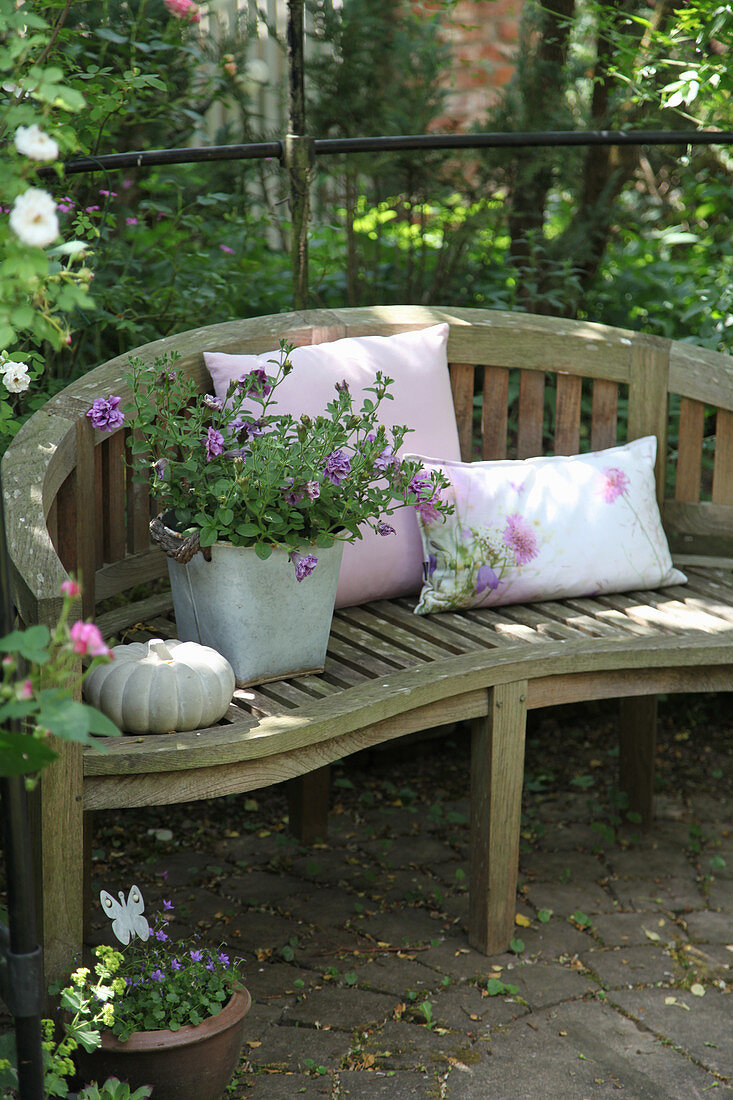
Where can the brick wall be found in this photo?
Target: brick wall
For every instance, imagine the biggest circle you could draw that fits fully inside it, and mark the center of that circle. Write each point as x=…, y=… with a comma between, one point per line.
x=483, y=35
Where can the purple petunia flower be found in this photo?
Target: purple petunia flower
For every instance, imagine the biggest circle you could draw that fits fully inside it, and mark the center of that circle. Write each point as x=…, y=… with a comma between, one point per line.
x=257, y=379
x=425, y=505
x=214, y=443
x=157, y=975
x=385, y=528
x=196, y=956
x=520, y=538
x=486, y=578
x=291, y=496
x=338, y=467
x=160, y=468
x=304, y=565
x=312, y=490
x=383, y=461
x=105, y=414
x=211, y=402
x=342, y=387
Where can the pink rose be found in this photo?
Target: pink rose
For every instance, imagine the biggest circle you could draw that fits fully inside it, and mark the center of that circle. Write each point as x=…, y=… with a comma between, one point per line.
x=183, y=9
x=88, y=640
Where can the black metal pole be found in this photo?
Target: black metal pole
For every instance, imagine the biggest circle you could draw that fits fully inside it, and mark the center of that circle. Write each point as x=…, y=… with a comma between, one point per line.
x=21, y=966
x=298, y=155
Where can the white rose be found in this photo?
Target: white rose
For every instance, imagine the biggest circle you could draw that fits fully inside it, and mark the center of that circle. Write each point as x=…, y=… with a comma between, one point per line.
x=33, y=218
x=15, y=377
x=32, y=142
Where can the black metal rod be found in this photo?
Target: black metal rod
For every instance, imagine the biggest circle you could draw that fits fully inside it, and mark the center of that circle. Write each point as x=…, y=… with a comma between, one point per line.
x=522, y=140
x=22, y=936
x=150, y=158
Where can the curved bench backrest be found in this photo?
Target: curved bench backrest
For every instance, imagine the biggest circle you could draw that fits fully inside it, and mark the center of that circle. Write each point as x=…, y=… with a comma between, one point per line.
x=523, y=385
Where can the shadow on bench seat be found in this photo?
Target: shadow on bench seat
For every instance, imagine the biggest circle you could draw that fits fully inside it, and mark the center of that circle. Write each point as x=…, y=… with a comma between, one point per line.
x=70, y=506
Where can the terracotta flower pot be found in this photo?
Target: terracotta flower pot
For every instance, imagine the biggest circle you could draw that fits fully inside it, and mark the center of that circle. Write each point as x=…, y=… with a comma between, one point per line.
x=193, y=1063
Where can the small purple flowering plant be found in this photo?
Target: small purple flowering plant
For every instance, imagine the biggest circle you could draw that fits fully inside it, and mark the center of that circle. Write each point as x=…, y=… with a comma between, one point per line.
x=153, y=985
x=239, y=471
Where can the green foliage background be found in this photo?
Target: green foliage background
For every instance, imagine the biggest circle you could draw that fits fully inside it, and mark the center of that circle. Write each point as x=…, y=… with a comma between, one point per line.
x=638, y=238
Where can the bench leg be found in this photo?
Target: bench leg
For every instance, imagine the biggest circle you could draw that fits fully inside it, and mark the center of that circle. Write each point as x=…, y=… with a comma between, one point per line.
x=497, y=770
x=637, y=748
x=56, y=816
x=308, y=805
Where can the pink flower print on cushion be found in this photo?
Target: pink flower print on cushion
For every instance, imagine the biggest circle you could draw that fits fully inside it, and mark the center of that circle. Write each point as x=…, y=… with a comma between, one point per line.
x=520, y=538
x=613, y=484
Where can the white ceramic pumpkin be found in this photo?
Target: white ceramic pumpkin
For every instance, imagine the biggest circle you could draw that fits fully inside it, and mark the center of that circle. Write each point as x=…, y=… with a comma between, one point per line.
x=161, y=686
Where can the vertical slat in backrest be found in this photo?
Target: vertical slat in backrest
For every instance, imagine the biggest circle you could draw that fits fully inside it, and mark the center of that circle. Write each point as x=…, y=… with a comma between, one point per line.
x=689, y=450
x=99, y=508
x=462, y=376
x=567, y=413
x=138, y=508
x=494, y=413
x=113, y=489
x=649, y=400
x=723, y=465
x=86, y=512
x=530, y=421
x=604, y=415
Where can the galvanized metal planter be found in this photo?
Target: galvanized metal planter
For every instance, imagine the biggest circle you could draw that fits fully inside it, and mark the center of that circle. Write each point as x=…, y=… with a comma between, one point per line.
x=266, y=623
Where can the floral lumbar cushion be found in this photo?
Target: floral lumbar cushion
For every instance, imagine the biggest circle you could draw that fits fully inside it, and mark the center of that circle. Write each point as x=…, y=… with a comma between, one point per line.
x=374, y=568
x=545, y=528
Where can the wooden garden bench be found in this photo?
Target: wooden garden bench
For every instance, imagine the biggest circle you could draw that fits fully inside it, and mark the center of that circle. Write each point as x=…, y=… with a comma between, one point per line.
x=70, y=506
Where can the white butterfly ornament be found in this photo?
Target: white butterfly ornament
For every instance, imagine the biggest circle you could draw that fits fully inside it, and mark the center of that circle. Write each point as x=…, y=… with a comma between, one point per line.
x=128, y=919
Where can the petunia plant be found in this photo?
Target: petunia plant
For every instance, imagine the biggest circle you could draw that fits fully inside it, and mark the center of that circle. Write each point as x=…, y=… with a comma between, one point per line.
x=154, y=984
x=239, y=471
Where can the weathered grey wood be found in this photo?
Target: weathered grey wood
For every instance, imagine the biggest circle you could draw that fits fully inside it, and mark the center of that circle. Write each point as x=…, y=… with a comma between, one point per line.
x=689, y=460
x=497, y=768
x=531, y=414
x=308, y=805
x=567, y=414
x=637, y=746
x=723, y=465
x=462, y=382
x=494, y=413
x=648, y=398
x=604, y=414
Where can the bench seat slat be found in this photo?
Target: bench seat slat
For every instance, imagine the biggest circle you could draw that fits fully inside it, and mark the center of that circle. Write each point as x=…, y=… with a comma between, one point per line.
x=378, y=654
x=642, y=613
x=431, y=628
x=613, y=615
x=581, y=621
x=533, y=616
x=385, y=631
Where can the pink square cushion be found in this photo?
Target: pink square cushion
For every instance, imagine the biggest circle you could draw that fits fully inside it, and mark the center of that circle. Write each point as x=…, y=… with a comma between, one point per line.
x=375, y=567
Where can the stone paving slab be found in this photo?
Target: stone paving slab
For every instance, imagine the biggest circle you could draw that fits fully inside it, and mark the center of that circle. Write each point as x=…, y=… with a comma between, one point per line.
x=703, y=1028
x=625, y=967
x=578, y=1051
